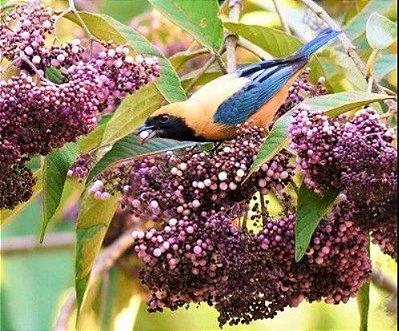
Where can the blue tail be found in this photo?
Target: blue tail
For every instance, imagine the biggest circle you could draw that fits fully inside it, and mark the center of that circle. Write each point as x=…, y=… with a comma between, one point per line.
x=321, y=39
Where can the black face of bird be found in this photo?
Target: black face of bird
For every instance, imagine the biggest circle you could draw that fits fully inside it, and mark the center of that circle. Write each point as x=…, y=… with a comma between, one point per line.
x=167, y=126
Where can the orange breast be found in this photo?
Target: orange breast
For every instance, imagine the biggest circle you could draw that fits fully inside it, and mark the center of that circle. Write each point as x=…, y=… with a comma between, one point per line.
x=265, y=114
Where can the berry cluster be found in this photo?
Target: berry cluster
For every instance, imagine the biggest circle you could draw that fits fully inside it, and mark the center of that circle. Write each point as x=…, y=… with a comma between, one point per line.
x=172, y=185
x=356, y=156
x=313, y=137
x=80, y=169
x=38, y=115
x=249, y=276
x=301, y=89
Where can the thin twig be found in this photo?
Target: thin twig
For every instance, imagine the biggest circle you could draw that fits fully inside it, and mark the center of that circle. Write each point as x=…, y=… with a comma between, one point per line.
x=220, y=62
x=245, y=219
x=256, y=50
x=72, y=9
x=349, y=48
x=66, y=311
x=294, y=186
x=200, y=72
x=383, y=282
x=105, y=261
x=262, y=208
x=192, y=55
x=231, y=38
x=370, y=81
x=21, y=244
x=283, y=22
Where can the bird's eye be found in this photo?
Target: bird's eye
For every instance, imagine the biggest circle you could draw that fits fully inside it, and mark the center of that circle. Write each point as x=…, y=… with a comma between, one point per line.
x=164, y=119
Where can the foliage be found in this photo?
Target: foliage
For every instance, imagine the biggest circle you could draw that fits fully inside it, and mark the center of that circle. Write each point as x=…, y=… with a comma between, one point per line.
x=225, y=225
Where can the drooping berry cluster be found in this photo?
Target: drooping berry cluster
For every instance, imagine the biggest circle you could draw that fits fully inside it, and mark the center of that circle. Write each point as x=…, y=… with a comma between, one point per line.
x=249, y=276
x=37, y=115
x=301, y=89
x=313, y=137
x=357, y=157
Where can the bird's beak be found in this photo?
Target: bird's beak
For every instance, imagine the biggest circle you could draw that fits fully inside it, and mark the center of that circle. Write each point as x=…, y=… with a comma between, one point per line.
x=146, y=132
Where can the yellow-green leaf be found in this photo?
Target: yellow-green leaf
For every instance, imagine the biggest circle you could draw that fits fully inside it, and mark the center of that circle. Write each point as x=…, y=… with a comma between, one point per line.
x=132, y=112
x=356, y=27
x=380, y=31
x=338, y=103
x=93, y=221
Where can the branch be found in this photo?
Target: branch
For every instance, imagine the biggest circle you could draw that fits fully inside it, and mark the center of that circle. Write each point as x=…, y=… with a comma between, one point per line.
x=200, y=72
x=349, y=48
x=380, y=280
x=22, y=244
x=283, y=22
x=105, y=261
x=231, y=39
x=256, y=50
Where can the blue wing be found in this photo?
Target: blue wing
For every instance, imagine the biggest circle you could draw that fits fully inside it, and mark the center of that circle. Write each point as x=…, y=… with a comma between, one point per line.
x=266, y=78
x=263, y=85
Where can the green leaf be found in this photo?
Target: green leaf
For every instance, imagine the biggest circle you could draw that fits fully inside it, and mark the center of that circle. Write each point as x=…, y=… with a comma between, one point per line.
x=275, y=42
x=132, y=112
x=123, y=11
x=385, y=65
x=311, y=208
x=338, y=103
x=93, y=221
x=199, y=18
x=380, y=31
x=55, y=168
x=7, y=215
x=363, y=301
x=276, y=140
x=130, y=147
x=106, y=28
x=355, y=27
x=54, y=75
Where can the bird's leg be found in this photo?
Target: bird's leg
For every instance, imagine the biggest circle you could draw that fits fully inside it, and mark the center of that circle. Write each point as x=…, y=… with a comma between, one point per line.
x=216, y=145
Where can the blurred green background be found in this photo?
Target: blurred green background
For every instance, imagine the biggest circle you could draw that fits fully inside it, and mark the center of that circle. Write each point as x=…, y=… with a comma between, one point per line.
x=36, y=282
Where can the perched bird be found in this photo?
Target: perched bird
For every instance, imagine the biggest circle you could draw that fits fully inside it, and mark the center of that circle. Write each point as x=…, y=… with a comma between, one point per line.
x=252, y=93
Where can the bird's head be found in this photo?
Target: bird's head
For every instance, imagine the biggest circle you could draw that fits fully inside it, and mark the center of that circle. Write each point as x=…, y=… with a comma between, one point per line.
x=167, y=122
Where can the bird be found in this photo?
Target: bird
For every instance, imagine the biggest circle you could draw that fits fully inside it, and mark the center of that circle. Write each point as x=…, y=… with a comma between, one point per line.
x=252, y=93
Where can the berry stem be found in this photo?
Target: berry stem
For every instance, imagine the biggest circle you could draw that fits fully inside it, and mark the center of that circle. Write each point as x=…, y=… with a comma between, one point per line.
x=263, y=208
